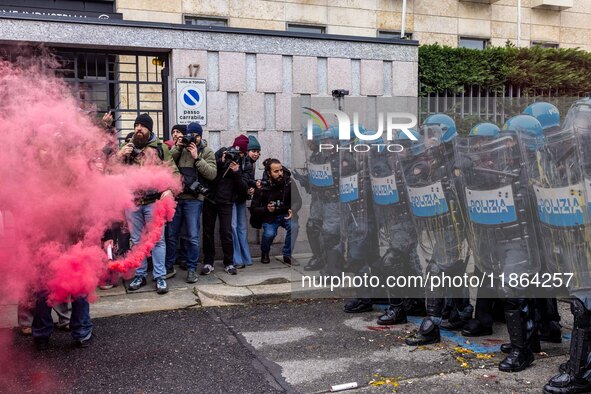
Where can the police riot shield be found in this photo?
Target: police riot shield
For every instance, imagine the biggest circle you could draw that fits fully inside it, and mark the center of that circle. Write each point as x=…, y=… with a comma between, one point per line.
x=499, y=211
x=434, y=203
x=579, y=119
x=562, y=222
x=397, y=236
x=320, y=179
x=354, y=184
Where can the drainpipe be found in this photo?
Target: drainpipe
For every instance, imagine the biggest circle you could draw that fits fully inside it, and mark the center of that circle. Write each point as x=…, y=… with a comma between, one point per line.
x=518, y=23
x=403, y=25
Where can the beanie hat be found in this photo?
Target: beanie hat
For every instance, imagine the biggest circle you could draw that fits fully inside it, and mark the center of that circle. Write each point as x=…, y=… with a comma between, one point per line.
x=180, y=127
x=253, y=143
x=144, y=120
x=195, y=127
x=241, y=142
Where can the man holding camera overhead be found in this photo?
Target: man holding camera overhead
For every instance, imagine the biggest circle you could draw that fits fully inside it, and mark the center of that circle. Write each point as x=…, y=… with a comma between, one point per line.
x=145, y=148
x=196, y=163
x=228, y=187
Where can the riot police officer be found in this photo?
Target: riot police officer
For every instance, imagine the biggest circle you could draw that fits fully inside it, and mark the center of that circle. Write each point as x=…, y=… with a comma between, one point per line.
x=482, y=324
x=436, y=209
x=323, y=226
x=575, y=374
x=397, y=234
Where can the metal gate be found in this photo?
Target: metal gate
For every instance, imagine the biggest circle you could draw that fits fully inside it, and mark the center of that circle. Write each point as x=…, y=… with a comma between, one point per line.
x=128, y=83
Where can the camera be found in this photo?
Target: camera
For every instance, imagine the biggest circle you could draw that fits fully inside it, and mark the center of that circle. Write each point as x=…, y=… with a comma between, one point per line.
x=196, y=188
x=135, y=152
x=232, y=155
x=278, y=204
x=337, y=93
x=188, y=138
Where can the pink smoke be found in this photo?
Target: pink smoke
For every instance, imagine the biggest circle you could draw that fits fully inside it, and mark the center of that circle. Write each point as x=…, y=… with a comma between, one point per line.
x=56, y=203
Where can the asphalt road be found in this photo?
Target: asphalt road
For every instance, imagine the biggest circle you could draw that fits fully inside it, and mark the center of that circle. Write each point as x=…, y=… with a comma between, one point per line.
x=302, y=347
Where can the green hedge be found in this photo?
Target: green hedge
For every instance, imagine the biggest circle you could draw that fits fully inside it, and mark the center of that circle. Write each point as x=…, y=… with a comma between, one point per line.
x=441, y=68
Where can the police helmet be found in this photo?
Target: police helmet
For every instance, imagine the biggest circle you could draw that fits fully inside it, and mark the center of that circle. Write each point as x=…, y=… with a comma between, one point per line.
x=528, y=128
x=547, y=114
x=485, y=129
x=579, y=115
x=447, y=124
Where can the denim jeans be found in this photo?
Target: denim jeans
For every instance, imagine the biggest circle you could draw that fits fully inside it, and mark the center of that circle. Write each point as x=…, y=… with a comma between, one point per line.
x=80, y=324
x=190, y=212
x=26, y=313
x=239, y=235
x=137, y=220
x=270, y=231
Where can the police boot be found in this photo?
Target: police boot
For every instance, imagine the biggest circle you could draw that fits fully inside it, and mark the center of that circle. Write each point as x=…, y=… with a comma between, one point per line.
x=429, y=330
x=314, y=264
x=550, y=328
x=458, y=316
x=474, y=328
x=414, y=306
x=314, y=231
x=550, y=331
x=577, y=375
x=428, y=333
x=521, y=355
x=395, y=314
x=334, y=263
x=358, y=305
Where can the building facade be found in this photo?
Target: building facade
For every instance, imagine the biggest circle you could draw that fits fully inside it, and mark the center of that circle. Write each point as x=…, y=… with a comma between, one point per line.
x=562, y=23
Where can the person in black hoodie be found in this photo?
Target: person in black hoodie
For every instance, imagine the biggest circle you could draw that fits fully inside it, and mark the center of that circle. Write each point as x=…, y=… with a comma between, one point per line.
x=228, y=187
x=276, y=206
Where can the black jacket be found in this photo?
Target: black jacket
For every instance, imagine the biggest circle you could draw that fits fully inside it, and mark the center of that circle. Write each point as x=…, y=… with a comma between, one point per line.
x=248, y=171
x=286, y=192
x=228, y=187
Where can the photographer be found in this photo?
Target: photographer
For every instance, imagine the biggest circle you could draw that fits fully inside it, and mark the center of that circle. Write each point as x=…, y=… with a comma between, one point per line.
x=198, y=168
x=242, y=255
x=276, y=205
x=228, y=187
x=146, y=148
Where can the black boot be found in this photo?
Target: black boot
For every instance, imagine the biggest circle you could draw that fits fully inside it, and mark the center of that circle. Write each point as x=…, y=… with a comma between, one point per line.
x=358, y=305
x=459, y=315
x=550, y=332
x=395, y=314
x=577, y=378
x=535, y=347
x=334, y=263
x=314, y=264
x=428, y=333
x=414, y=307
x=521, y=355
x=474, y=328
x=265, y=258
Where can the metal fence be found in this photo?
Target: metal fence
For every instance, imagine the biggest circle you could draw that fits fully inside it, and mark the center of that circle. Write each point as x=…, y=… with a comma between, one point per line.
x=477, y=104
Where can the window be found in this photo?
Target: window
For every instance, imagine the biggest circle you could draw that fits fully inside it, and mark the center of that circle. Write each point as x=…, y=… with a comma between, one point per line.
x=205, y=21
x=306, y=28
x=393, y=34
x=544, y=44
x=473, y=43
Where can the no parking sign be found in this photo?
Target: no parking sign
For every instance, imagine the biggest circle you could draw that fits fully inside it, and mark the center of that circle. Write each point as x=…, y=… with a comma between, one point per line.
x=191, y=101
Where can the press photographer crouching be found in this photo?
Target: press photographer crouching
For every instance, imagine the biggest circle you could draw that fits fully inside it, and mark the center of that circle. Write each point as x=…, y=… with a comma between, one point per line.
x=145, y=148
x=275, y=205
x=197, y=166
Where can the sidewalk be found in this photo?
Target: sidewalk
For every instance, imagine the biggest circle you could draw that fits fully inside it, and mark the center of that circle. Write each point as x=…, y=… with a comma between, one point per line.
x=258, y=283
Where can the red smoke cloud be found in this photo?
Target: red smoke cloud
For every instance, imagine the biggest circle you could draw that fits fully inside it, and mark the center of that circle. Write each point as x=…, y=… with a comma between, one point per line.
x=55, y=200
